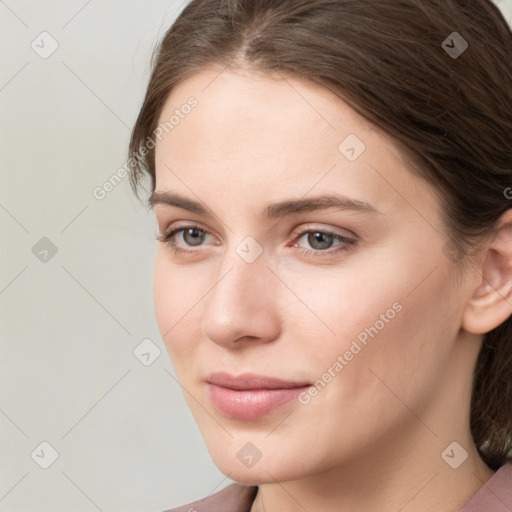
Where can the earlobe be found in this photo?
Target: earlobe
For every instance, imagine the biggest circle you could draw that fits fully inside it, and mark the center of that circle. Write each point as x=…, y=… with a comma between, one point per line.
x=491, y=302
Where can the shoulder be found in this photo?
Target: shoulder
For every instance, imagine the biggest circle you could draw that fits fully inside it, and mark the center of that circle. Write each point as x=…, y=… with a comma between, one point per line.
x=495, y=494
x=233, y=498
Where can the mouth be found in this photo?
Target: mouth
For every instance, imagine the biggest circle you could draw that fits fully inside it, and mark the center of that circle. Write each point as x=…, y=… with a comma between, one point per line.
x=250, y=396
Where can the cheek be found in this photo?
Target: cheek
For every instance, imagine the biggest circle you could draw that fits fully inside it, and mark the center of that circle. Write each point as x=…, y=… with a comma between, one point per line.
x=399, y=362
x=174, y=295
x=407, y=355
x=342, y=329
x=384, y=317
x=391, y=321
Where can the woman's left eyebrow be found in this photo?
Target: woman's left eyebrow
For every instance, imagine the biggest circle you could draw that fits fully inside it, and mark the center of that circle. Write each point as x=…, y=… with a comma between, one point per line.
x=339, y=202
x=273, y=210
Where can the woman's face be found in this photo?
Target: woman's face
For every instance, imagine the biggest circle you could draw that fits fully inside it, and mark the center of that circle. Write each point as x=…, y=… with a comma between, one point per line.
x=372, y=318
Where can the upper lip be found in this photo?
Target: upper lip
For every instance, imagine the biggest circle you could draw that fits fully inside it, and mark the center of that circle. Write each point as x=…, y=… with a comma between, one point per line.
x=251, y=381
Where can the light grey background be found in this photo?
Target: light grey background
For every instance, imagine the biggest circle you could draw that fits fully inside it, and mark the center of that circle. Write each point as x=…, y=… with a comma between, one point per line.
x=71, y=321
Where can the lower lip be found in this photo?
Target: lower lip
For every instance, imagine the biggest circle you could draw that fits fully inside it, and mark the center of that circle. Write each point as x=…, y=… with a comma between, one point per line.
x=250, y=404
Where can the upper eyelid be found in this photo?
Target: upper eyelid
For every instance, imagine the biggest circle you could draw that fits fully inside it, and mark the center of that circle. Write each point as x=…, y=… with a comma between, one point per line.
x=189, y=225
x=195, y=222
x=304, y=228
x=346, y=242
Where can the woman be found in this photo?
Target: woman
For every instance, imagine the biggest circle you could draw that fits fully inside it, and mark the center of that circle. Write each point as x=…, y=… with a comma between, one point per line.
x=332, y=184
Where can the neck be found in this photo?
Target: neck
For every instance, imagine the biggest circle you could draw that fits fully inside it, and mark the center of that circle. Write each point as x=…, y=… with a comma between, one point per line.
x=404, y=475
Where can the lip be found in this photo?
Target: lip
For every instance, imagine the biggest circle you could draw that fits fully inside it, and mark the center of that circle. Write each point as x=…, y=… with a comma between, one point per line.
x=250, y=396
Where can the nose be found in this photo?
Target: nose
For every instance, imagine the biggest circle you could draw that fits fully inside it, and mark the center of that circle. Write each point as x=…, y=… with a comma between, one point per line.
x=242, y=306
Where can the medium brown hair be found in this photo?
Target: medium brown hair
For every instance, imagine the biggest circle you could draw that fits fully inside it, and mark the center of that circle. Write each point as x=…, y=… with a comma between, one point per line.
x=450, y=114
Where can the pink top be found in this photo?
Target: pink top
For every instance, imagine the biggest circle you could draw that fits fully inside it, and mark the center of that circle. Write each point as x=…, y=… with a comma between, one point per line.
x=494, y=496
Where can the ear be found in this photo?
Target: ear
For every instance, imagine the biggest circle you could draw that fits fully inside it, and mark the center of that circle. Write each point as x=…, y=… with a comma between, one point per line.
x=491, y=302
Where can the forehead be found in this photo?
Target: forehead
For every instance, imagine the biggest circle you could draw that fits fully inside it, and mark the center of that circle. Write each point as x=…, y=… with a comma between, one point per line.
x=275, y=135
x=260, y=110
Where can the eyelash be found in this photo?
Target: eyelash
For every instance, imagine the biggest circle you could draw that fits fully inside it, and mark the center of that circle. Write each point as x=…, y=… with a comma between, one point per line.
x=349, y=243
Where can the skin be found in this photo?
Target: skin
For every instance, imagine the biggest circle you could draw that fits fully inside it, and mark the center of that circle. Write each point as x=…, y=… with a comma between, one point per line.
x=372, y=438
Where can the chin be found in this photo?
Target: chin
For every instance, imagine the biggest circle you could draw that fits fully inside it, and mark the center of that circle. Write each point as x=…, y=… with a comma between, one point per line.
x=265, y=470
x=248, y=478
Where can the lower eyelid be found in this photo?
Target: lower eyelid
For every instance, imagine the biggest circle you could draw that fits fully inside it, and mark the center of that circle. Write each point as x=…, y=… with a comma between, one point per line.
x=170, y=236
x=335, y=236
x=177, y=231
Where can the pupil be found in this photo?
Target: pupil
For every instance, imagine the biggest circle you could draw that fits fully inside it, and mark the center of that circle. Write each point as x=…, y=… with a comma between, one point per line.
x=322, y=238
x=196, y=233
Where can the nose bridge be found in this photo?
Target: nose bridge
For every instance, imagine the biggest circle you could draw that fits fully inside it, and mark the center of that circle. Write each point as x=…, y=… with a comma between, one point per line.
x=242, y=268
x=239, y=282
x=240, y=302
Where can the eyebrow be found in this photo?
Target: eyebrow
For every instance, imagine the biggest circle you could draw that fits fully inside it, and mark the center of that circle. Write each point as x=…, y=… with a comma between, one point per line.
x=273, y=210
